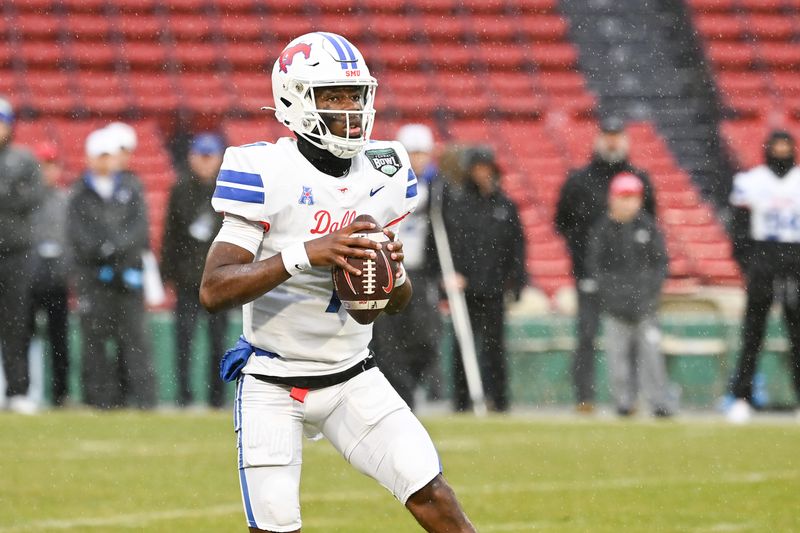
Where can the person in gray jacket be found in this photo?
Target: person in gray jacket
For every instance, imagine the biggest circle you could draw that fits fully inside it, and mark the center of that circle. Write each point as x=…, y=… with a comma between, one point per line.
x=20, y=196
x=628, y=260
x=107, y=232
x=49, y=266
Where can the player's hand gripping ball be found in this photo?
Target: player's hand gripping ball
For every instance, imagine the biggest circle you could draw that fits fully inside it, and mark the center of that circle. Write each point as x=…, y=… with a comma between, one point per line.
x=365, y=296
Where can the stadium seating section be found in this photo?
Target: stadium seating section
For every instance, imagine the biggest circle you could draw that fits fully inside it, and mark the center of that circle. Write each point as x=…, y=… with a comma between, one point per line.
x=459, y=65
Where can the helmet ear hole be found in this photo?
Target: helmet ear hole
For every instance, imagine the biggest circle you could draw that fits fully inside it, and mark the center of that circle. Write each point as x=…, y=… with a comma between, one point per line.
x=286, y=102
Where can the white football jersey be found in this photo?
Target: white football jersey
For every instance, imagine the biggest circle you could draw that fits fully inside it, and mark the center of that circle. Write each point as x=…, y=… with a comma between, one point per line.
x=774, y=203
x=284, y=196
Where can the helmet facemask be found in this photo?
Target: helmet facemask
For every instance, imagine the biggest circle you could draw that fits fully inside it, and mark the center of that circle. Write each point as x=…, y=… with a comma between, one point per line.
x=313, y=124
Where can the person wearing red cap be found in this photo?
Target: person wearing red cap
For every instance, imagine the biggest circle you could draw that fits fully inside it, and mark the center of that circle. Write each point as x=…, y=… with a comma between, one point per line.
x=49, y=267
x=627, y=259
x=582, y=202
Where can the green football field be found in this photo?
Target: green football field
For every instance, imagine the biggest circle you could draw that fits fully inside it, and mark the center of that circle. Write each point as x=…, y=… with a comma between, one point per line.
x=86, y=471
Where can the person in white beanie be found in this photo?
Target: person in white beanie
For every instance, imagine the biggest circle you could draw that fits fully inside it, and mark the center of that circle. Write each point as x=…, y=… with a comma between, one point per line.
x=409, y=342
x=21, y=193
x=125, y=136
x=107, y=233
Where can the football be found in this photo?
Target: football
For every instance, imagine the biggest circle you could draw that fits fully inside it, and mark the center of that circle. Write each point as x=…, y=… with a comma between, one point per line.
x=364, y=297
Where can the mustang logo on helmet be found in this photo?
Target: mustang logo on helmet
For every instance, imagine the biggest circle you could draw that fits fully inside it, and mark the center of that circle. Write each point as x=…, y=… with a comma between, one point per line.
x=287, y=56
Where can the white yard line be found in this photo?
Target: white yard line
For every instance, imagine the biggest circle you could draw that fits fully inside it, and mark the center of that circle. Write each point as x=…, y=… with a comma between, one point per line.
x=141, y=519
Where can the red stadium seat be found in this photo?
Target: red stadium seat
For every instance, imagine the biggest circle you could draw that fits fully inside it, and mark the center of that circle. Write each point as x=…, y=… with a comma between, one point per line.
x=784, y=56
x=731, y=55
x=536, y=6
x=503, y=57
x=247, y=56
x=340, y=7
x=496, y=7
x=186, y=6
x=238, y=28
x=435, y=6
x=30, y=133
x=154, y=92
x=253, y=91
x=555, y=82
x=766, y=6
x=382, y=7
x=549, y=268
x=397, y=57
x=716, y=250
x=235, y=6
x=718, y=271
x=197, y=56
x=145, y=55
x=38, y=26
x=191, y=27
x=205, y=93
x=138, y=27
x=35, y=6
x=391, y=27
x=353, y=28
x=88, y=26
x=712, y=6
x=725, y=26
x=285, y=27
x=786, y=83
x=51, y=91
x=103, y=93
x=538, y=27
x=772, y=27
x=41, y=54
x=512, y=83
x=442, y=29
x=555, y=56
x=693, y=216
x=88, y=55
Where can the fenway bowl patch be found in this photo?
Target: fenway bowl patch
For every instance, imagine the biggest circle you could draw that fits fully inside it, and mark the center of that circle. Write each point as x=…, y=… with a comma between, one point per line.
x=384, y=159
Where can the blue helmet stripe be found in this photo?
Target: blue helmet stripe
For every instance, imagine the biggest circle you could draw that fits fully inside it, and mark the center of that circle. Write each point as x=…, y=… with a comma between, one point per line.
x=338, y=48
x=349, y=48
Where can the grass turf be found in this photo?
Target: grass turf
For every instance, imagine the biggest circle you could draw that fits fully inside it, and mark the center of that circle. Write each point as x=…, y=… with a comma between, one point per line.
x=86, y=471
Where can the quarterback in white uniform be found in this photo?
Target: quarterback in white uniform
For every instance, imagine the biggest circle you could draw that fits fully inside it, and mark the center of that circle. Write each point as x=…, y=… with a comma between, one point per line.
x=302, y=365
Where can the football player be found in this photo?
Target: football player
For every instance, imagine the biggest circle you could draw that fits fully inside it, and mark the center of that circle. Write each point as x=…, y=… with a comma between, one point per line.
x=302, y=365
x=766, y=207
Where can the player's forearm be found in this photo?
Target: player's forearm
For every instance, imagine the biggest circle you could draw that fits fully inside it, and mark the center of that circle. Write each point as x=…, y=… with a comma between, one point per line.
x=228, y=286
x=400, y=298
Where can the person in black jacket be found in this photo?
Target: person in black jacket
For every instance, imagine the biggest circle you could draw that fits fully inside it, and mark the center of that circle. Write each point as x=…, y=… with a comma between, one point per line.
x=627, y=259
x=107, y=233
x=190, y=226
x=488, y=247
x=20, y=195
x=583, y=201
x=766, y=242
x=49, y=266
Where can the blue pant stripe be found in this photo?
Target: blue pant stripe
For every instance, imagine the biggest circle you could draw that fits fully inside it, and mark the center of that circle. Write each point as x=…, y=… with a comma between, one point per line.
x=248, y=508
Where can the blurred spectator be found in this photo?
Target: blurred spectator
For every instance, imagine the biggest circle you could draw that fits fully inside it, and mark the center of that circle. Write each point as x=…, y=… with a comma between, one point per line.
x=107, y=232
x=488, y=249
x=125, y=136
x=190, y=226
x=20, y=196
x=408, y=343
x=50, y=287
x=582, y=203
x=627, y=259
x=766, y=204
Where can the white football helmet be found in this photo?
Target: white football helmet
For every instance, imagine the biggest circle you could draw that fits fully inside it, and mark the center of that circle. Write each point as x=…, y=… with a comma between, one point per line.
x=322, y=59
